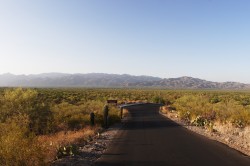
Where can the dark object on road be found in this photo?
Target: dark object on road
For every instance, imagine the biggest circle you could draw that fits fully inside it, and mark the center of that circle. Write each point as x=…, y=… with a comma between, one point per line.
x=92, y=118
x=105, y=115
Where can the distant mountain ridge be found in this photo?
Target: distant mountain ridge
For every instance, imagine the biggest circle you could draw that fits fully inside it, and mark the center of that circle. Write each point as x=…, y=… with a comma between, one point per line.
x=112, y=80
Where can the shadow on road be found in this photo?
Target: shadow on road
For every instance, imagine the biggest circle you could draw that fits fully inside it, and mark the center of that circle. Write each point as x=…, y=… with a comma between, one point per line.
x=147, y=117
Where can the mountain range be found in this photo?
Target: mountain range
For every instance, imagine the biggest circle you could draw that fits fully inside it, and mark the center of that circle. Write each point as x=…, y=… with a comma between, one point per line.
x=112, y=80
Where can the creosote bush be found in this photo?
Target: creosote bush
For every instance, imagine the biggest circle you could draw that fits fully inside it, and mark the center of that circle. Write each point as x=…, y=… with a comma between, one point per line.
x=201, y=110
x=18, y=146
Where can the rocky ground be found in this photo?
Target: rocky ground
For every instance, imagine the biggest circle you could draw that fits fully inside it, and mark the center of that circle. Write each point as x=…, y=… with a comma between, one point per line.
x=237, y=138
x=92, y=150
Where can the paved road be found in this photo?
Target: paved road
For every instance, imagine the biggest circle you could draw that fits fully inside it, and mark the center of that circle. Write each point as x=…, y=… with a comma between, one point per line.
x=148, y=138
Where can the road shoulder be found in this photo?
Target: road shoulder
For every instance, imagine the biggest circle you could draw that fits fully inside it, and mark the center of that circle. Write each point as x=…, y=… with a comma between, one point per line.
x=226, y=139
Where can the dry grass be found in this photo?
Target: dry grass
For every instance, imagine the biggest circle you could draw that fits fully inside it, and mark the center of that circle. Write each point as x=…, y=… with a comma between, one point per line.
x=64, y=138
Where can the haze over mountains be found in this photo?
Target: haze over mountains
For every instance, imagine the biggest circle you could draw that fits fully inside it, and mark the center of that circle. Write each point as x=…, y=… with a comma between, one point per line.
x=112, y=80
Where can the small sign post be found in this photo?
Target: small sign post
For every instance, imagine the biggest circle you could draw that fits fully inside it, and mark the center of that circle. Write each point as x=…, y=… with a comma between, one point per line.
x=112, y=102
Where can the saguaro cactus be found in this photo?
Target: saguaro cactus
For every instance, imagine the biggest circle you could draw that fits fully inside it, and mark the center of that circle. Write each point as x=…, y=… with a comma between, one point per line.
x=105, y=115
x=92, y=118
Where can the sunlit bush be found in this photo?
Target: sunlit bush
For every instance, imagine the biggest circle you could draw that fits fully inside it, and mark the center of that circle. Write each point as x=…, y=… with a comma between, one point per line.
x=25, y=102
x=15, y=102
x=191, y=106
x=232, y=111
x=158, y=99
x=202, y=110
x=18, y=146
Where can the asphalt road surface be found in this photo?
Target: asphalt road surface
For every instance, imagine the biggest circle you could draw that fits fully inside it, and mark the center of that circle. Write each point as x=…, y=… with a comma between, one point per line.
x=148, y=138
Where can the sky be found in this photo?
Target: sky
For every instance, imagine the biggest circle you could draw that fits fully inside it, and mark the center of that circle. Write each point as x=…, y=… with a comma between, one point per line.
x=207, y=39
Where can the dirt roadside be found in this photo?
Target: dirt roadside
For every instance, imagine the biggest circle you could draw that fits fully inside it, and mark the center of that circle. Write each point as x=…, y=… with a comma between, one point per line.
x=93, y=150
x=90, y=152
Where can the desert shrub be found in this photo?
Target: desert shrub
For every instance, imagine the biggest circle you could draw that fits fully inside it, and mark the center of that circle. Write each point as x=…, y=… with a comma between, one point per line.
x=225, y=110
x=233, y=112
x=67, y=116
x=114, y=115
x=18, y=146
x=75, y=122
x=190, y=106
x=215, y=99
x=158, y=99
x=41, y=120
x=210, y=115
x=185, y=115
x=92, y=106
x=245, y=101
x=99, y=118
x=24, y=102
x=200, y=121
x=97, y=108
x=15, y=102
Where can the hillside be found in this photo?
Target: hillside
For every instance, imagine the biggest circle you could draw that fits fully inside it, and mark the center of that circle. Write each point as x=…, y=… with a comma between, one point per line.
x=112, y=80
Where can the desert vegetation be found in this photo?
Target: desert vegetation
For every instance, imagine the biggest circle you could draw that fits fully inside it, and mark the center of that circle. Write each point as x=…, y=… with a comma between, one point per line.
x=39, y=125
x=223, y=116
x=204, y=109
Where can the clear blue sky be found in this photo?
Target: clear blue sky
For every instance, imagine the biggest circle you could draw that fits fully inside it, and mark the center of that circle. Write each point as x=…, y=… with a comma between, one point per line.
x=208, y=39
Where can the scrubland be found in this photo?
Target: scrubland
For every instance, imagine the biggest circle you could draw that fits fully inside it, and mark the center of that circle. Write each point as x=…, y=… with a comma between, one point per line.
x=39, y=125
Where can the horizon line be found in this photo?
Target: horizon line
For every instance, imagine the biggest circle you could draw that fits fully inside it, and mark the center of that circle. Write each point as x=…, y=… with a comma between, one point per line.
x=119, y=74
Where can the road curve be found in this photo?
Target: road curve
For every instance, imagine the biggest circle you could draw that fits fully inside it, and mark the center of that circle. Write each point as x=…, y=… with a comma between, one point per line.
x=148, y=138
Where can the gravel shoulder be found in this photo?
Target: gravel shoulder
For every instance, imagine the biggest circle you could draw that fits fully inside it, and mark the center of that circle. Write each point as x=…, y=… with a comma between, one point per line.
x=93, y=150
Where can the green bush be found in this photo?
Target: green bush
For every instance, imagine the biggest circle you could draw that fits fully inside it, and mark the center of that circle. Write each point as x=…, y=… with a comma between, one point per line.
x=25, y=102
x=215, y=99
x=200, y=121
x=18, y=146
x=158, y=99
x=16, y=102
x=69, y=116
x=201, y=110
x=190, y=107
